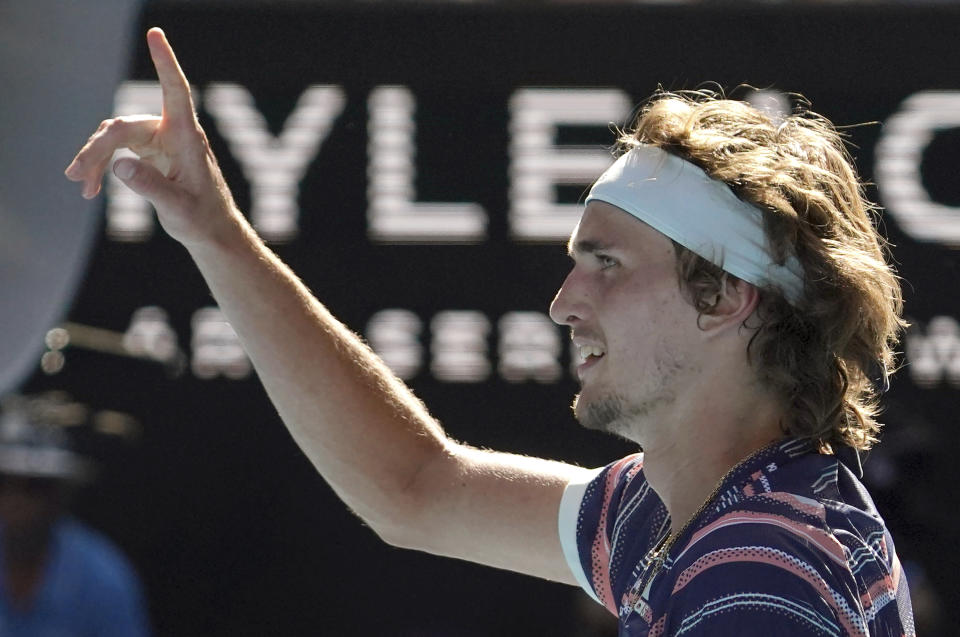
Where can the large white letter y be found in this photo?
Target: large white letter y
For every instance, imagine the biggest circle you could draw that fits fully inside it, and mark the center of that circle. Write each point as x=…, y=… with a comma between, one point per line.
x=272, y=165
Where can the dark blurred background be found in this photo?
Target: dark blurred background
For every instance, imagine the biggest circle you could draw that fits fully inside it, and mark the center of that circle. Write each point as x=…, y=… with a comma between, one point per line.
x=335, y=124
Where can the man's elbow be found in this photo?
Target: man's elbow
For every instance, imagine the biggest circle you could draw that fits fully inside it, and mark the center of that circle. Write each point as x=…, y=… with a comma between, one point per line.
x=415, y=515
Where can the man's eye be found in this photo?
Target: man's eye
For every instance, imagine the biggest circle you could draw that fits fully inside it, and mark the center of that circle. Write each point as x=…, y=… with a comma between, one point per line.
x=605, y=261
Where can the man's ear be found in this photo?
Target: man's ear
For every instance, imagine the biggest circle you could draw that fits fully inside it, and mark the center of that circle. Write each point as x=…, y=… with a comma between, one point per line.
x=736, y=301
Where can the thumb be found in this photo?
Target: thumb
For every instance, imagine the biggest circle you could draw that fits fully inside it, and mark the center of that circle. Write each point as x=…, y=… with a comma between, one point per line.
x=147, y=181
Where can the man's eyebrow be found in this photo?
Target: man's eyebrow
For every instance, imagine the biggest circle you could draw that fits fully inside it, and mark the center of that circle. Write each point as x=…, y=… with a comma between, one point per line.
x=586, y=246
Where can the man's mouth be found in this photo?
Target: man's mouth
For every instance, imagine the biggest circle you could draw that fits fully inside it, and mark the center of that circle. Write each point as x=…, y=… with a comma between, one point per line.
x=590, y=355
x=590, y=351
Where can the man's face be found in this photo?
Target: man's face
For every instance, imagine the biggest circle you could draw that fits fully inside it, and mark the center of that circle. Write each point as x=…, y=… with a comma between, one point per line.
x=628, y=316
x=29, y=504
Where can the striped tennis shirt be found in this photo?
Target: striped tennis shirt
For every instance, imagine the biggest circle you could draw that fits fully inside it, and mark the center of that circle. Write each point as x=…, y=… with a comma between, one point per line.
x=791, y=545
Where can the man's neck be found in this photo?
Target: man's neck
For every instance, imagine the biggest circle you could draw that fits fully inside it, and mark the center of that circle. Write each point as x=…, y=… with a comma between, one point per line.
x=24, y=559
x=687, y=466
x=25, y=548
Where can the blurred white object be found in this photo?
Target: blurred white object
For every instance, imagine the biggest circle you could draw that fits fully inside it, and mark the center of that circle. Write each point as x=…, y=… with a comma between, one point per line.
x=59, y=64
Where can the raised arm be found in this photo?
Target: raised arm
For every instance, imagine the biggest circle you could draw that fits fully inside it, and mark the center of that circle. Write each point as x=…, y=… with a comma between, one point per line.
x=364, y=431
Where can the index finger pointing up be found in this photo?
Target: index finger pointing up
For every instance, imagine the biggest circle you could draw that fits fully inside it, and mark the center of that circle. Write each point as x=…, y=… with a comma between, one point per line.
x=177, y=104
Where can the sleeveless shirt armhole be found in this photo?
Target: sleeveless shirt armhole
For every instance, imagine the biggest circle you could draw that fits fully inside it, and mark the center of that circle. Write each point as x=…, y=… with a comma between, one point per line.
x=568, y=518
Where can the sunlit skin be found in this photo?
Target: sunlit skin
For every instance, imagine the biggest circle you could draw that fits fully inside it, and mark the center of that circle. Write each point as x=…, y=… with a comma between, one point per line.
x=371, y=439
x=682, y=388
x=622, y=296
x=684, y=391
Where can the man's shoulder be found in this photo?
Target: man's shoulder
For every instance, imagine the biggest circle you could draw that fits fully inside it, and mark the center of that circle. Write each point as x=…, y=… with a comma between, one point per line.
x=782, y=557
x=84, y=550
x=817, y=545
x=775, y=528
x=820, y=529
x=808, y=504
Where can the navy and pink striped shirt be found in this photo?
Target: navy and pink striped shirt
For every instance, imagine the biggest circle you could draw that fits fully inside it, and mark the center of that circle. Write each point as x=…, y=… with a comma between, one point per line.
x=792, y=545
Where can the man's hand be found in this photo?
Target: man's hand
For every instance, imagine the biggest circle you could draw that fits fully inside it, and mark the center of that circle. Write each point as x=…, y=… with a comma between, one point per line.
x=176, y=171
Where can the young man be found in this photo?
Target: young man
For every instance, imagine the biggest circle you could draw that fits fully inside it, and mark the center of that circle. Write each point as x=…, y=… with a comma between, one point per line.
x=730, y=335
x=57, y=575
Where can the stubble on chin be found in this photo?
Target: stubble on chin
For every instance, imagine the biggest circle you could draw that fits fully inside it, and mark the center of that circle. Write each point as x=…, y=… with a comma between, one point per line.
x=614, y=414
x=607, y=414
x=628, y=417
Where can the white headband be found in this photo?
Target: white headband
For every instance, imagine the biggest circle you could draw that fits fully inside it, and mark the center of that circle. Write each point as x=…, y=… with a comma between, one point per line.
x=680, y=200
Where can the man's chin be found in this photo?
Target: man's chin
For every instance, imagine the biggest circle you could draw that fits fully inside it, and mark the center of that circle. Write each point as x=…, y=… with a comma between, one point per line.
x=600, y=414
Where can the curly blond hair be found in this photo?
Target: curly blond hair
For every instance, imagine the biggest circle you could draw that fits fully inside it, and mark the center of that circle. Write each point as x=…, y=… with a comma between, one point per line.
x=823, y=355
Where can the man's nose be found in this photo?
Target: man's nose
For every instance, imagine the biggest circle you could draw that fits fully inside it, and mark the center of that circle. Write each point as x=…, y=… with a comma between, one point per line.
x=569, y=305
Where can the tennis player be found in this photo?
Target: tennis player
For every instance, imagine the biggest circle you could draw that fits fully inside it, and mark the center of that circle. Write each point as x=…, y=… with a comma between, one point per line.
x=732, y=303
